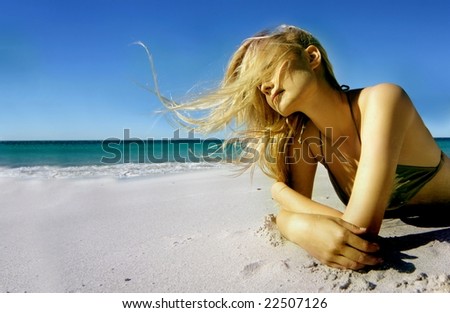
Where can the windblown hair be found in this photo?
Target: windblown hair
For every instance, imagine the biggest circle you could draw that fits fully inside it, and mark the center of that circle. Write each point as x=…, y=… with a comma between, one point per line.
x=238, y=101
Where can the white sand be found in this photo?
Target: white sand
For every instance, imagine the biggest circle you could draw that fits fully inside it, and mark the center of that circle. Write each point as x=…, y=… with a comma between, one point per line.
x=193, y=232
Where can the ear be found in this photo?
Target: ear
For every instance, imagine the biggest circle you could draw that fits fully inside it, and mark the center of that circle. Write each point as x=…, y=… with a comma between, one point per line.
x=314, y=56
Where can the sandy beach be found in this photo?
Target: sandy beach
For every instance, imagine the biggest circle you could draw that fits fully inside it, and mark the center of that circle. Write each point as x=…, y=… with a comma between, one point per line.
x=202, y=231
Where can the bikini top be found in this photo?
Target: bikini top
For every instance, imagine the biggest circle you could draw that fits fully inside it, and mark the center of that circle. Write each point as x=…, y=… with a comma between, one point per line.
x=408, y=179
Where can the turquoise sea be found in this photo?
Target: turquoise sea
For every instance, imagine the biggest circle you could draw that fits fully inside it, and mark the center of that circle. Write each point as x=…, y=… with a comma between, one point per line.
x=81, y=153
x=444, y=143
x=109, y=157
x=122, y=158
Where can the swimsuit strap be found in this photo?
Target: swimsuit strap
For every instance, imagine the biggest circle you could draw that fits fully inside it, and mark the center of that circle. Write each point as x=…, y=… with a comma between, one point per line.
x=353, y=116
x=322, y=142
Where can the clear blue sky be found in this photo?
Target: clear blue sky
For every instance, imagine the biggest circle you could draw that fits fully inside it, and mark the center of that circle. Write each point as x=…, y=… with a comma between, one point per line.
x=68, y=71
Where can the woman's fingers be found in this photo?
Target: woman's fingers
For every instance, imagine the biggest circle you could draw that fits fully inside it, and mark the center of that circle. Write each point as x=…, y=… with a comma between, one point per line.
x=354, y=240
x=362, y=244
x=343, y=263
x=353, y=260
x=357, y=252
x=360, y=257
x=353, y=228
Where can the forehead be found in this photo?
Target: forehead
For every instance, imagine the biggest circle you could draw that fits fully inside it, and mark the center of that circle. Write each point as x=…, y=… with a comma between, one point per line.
x=264, y=54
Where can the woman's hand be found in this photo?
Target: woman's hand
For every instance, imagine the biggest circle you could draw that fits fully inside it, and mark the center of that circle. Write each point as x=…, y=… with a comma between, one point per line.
x=331, y=240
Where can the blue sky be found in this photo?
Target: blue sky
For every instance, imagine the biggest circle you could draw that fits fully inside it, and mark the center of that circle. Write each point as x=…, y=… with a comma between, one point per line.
x=68, y=71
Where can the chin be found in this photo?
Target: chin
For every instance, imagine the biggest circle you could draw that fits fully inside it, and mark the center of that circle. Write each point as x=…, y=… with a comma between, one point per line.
x=285, y=112
x=281, y=111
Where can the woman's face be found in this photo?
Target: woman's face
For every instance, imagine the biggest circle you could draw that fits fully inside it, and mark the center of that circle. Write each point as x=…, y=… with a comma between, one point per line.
x=288, y=87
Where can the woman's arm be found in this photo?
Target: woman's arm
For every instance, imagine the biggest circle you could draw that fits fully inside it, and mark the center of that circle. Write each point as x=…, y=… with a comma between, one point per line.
x=294, y=202
x=315, y=227
x=386, y=113
x=296, y=198
x=320, y=231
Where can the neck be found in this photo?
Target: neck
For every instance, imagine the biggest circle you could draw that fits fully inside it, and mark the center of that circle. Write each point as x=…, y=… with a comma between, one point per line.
x=328, y=107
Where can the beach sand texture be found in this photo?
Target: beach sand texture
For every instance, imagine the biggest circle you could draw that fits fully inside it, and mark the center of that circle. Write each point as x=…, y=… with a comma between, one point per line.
x=202, y=231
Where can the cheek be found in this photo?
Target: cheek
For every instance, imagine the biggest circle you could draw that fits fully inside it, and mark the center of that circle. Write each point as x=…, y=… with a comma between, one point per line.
x=300, y=84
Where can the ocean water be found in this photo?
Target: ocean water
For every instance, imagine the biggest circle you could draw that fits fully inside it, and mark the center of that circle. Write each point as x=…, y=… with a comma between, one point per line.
x=444, y=143
x=108, y=158
x=89, y=153
x=117, y=158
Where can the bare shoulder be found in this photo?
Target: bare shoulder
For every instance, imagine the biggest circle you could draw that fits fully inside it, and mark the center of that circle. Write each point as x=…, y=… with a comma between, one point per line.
x=387, y=114
x=385, y=97
x=392, y=89
x=389, y=119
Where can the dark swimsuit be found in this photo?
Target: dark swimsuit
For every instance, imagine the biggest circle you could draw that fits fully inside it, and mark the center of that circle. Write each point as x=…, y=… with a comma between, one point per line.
x=408, y=179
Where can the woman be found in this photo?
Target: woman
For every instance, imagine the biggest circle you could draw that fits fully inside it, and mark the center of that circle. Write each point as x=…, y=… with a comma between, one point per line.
x=280, y=88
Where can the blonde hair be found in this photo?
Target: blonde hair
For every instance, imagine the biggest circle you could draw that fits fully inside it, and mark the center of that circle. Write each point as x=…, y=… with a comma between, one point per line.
x=238, y=102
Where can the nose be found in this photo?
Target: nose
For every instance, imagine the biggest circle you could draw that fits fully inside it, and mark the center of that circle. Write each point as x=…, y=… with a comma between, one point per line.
x=266, y=88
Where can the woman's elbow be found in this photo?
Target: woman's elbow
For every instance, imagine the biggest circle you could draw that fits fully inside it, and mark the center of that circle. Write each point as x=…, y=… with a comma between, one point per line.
x=276, y=189
x=282, y=220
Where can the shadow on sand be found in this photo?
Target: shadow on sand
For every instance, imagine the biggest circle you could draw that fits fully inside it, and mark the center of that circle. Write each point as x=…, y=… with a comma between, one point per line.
x=393, y=248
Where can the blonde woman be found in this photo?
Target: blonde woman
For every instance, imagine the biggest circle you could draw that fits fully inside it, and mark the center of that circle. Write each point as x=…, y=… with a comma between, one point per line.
x=279, y=88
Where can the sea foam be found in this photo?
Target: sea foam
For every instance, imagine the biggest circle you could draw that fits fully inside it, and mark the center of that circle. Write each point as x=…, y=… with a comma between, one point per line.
x=126, y=170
